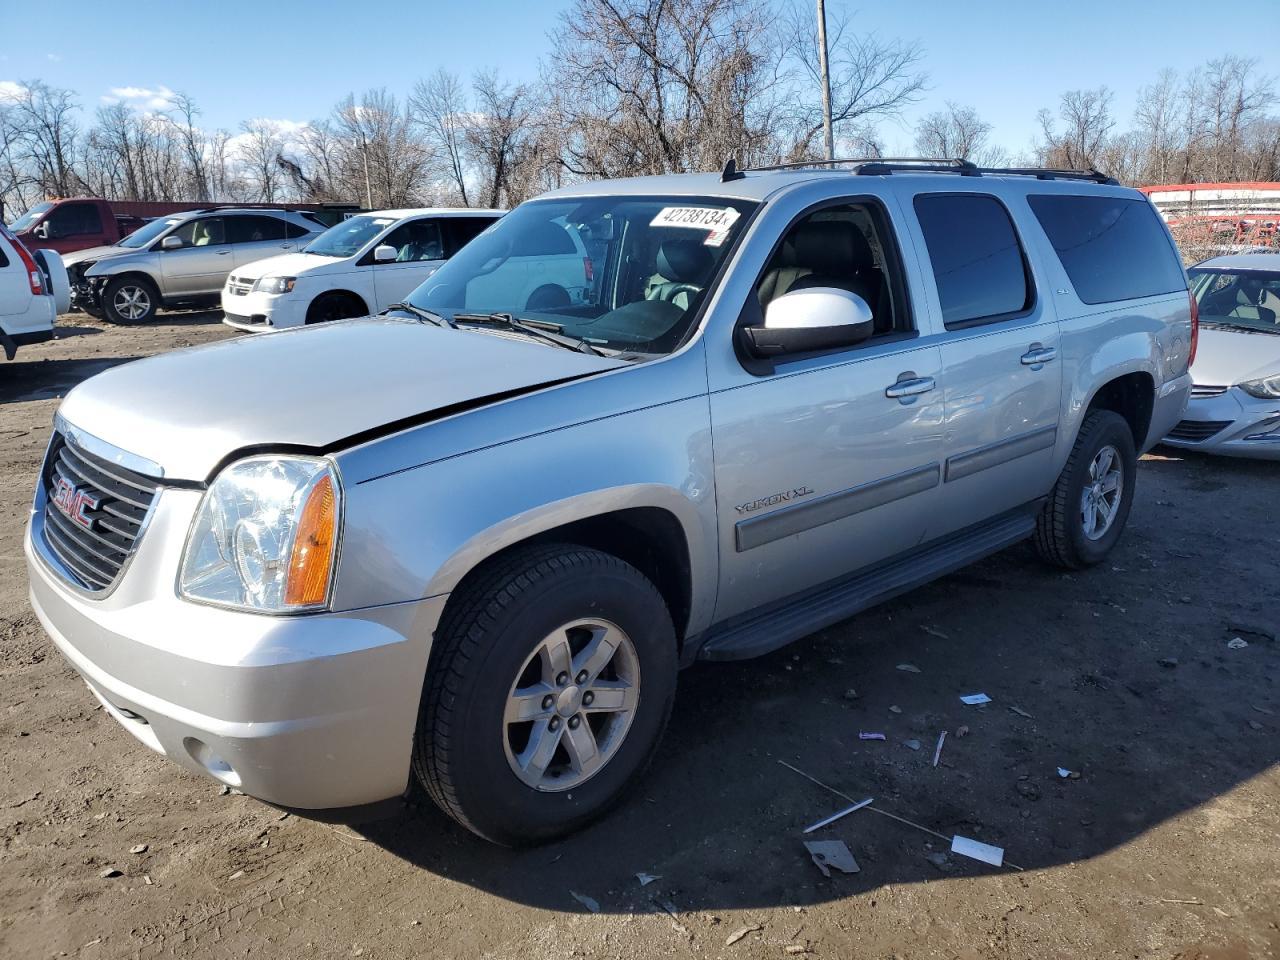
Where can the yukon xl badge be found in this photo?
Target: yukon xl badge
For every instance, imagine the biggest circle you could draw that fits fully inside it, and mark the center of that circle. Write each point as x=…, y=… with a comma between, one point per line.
x=793, y=494
x=75, y=503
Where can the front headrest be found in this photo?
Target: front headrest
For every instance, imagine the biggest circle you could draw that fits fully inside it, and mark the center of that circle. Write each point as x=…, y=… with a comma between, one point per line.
x=684, y=261
x=831, y=247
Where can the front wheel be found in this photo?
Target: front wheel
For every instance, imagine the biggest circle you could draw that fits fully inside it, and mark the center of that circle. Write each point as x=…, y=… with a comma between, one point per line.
x=549, y=688
x=1087, y=510
x=128, y=300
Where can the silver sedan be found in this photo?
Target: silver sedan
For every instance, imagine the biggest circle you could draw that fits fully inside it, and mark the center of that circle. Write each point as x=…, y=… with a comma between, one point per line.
x=1235, y=397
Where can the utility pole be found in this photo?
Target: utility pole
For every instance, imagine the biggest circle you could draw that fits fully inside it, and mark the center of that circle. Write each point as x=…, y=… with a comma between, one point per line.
x=827, y=135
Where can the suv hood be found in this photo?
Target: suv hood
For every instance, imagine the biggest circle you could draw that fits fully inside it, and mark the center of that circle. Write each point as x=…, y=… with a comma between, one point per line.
x=286, y=265
x=311, y=388
x=97, y=253
x=1227, y=357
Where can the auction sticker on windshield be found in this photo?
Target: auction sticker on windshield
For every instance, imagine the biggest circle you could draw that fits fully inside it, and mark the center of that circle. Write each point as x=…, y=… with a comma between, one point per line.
x=717, y=220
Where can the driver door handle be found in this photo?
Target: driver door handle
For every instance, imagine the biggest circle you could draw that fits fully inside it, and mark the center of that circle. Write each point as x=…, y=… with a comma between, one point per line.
x=909, y=388
x=1038, y=355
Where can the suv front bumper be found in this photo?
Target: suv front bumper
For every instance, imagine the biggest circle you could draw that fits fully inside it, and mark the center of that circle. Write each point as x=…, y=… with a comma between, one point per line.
x=310, y=712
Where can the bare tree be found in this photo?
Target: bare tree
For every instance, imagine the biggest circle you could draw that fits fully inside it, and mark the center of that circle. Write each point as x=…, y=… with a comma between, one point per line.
x=651, y=86
x=498, y=135
x=194, y=144
x=47, y=135
x=439, y=105
x=380, y=155
x=1086, y=116
x=871, y=79
x=957, y=131
x=257, y=151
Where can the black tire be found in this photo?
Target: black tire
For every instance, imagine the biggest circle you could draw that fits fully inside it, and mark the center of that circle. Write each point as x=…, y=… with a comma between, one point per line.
x=334, y=306
x=1061, y=537
x=125, y=287
x=490, y=628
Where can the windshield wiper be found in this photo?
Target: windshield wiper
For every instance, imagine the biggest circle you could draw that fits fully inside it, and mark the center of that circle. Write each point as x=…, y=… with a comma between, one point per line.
x=421, y=314
x=552, y=333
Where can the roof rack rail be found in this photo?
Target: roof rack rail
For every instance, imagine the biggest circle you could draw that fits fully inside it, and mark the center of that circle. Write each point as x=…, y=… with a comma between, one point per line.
x=884, y=166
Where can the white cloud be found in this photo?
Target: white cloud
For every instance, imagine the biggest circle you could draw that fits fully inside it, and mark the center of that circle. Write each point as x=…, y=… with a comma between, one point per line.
x=141, y=98
x=53, y=57
x=10, y=89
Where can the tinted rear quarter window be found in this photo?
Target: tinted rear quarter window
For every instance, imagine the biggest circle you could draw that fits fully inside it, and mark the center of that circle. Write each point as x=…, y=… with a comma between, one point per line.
x=977, y=261
x=1112, y=248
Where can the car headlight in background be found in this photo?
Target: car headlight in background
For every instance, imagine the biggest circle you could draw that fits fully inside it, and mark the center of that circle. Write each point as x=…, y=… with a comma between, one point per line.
x=265, y=537
x=275, y=285
x=1268, y=388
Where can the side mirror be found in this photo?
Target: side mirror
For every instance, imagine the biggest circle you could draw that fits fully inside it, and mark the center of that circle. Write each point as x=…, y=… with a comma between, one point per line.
x=384, y=252
x=41, y=230
x=805, y=321
x=171, y=243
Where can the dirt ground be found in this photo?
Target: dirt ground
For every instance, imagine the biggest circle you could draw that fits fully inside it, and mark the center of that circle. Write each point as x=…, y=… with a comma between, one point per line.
x=1168, y=844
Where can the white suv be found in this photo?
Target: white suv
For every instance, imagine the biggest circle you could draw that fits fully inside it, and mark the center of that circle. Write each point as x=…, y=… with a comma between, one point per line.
x=33, y=291
x=358, y=267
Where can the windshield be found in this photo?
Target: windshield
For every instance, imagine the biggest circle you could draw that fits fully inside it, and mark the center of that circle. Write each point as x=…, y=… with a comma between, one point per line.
x=1243, y=300
x=622, y=273
x=148, y=232
x=346, y=238
x=30, y=217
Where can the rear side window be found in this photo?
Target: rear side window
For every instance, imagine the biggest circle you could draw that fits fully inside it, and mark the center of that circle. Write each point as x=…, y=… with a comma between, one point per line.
x=977, y=261
x=1112, y=248
x=463, y=230
x=295, y=230
x=74, y=220
x=253, y=228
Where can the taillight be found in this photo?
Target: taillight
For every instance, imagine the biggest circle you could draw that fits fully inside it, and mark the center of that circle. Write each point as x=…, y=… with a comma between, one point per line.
x=1195, y=329
x=34, y=275
x=588, y=269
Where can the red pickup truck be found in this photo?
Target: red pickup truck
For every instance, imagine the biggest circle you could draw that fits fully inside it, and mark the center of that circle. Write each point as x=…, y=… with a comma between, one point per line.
x=79, y=223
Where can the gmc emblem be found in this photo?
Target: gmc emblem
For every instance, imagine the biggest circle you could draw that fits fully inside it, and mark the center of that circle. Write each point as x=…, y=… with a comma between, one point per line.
x=75, y=503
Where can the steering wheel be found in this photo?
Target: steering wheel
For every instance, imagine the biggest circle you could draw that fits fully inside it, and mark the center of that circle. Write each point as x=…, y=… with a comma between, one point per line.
x=669, y=291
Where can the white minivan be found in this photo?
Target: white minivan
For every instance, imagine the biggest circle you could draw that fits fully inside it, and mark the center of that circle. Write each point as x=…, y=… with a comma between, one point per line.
x=33, y=291
x=355, y=268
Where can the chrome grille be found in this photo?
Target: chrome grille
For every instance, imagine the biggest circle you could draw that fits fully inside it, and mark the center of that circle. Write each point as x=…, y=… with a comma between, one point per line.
x=238, y=286
x=93, y=512
x=1195, y=431
x=1202, y=390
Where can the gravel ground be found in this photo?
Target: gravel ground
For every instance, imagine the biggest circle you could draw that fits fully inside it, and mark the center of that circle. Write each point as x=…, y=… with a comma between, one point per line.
x=1168, y=844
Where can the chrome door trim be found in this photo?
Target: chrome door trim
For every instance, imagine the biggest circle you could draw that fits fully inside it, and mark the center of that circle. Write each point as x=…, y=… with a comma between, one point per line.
x=788, y=521
x=994, y=454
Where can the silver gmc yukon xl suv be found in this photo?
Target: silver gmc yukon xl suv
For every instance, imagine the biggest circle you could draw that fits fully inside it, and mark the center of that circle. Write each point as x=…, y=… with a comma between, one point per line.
x=471, y=542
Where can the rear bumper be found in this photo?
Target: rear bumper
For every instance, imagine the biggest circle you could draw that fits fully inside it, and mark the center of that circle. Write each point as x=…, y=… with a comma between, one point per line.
x=1232, y=424
x=311, y=712
x=1168, y=408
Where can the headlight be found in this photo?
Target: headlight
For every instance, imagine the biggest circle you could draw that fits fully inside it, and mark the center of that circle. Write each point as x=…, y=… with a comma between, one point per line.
x=1268, y=388
x=265, y=537
x=275, y=285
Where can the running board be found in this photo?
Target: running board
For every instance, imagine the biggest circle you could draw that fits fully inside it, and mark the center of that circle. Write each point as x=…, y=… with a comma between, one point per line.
x=763, y=632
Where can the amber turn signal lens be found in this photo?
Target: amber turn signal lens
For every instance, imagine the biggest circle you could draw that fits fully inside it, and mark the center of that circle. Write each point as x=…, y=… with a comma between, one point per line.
x=312, y=558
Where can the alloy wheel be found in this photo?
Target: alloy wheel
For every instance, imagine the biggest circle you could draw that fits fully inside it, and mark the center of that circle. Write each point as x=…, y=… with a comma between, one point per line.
x=571, y=705
x=132, y=303
x=1100, y=499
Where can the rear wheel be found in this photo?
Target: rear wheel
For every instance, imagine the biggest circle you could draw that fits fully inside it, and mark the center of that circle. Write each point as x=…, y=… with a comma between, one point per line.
x=550, y=685
x=130, y=300
x=1086, y=512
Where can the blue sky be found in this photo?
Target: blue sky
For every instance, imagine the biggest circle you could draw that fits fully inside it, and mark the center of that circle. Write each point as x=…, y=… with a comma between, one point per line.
x=293, y=61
